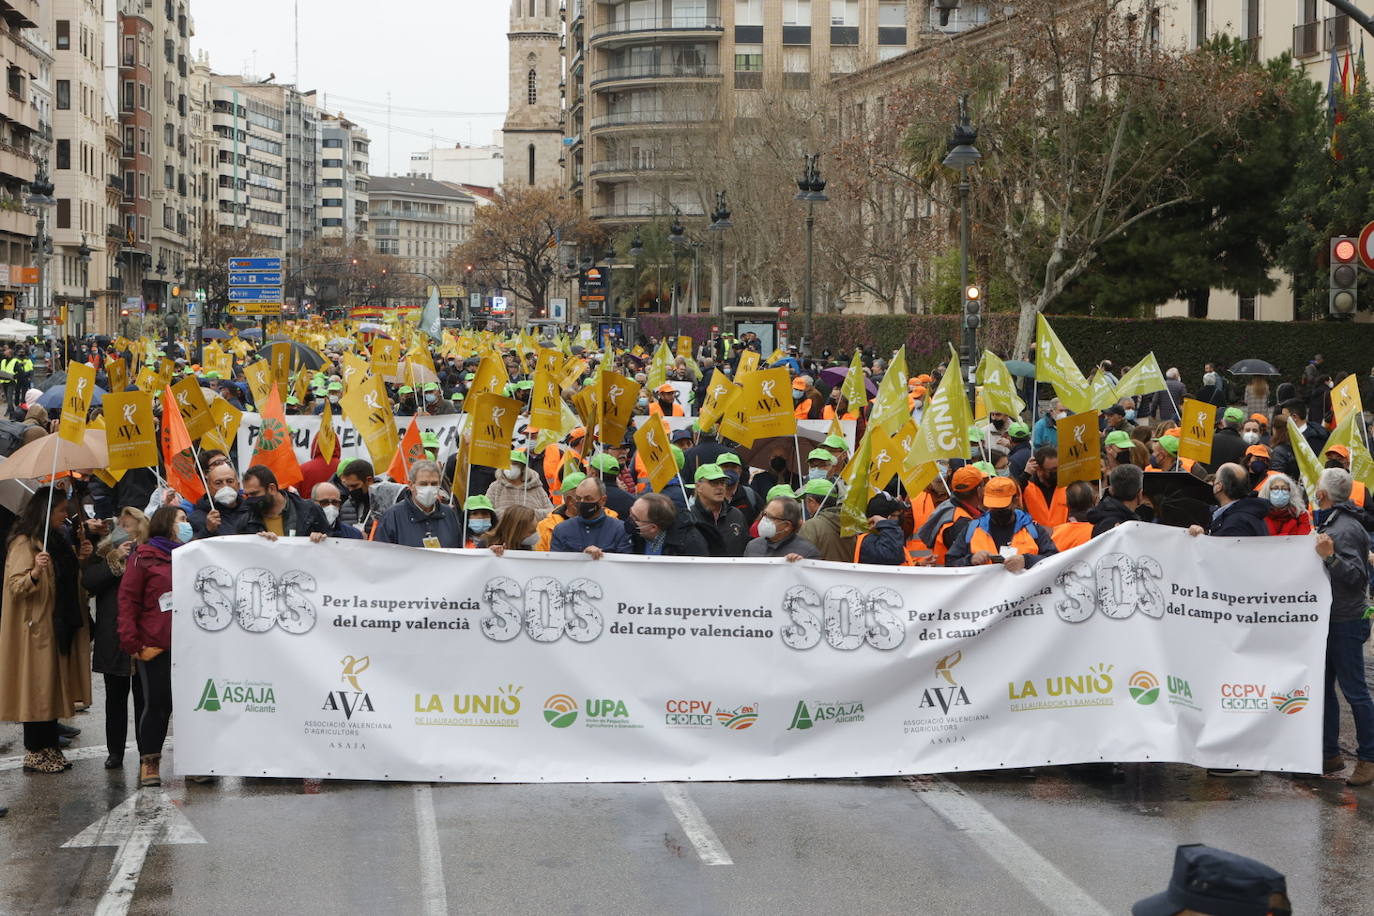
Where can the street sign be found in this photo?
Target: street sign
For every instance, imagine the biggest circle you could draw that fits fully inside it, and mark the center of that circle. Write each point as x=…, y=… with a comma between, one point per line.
x=255, y=308
x=782, y=326
x=263, y=278
x=255, y=263
x=498, y=305
x=255, y=294
x=1366, y=246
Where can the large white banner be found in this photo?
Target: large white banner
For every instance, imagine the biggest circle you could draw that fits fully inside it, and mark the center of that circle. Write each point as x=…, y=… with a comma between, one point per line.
x=365, y=661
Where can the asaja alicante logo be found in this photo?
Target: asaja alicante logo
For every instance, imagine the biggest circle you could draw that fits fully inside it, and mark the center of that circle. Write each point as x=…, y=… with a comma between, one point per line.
x=492, y=710
x=1064, y=691
x=561, y=711
x=244, y=696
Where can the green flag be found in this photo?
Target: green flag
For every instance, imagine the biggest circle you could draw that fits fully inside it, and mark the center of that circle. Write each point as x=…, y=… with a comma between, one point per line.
x=1309, y=467
x=999, y=391
x=1053, y=364
x=1103, y=394
x=1142, y=378
x=853, y=389
x=658, y=369
x=854, y=509
x=889, y=408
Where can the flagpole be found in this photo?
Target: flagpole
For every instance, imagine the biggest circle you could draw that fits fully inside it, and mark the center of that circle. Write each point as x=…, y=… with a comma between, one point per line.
x=47, y=519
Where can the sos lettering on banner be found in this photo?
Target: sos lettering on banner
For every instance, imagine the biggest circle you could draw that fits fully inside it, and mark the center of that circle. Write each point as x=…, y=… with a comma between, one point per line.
x=367, y=661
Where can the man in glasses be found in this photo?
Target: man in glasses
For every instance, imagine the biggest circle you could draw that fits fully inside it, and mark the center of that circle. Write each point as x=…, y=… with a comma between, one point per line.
x=330, y=501
x=778, y=527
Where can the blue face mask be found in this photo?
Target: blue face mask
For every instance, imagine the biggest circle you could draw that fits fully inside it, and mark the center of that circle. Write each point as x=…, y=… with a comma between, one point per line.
x=817, y=474
x=431, y=398
x=1280, y=498
x=479, y=525
x=1130, y=415
x=184, y=533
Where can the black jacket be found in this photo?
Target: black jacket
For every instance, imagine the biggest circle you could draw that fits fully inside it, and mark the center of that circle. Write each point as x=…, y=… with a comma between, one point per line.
x=730, y=532
x=1348, y=567
x=233, y=520
x=1109, y=513
x=1227, y=446
x=684, y=539
x=103, y=584
x=1242, y=518
x=884, y=545
x=299, y=515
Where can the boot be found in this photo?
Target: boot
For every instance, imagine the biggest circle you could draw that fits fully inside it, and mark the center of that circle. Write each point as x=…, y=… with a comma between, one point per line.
x=1363, y=775
x=1333, y=764
x=148, y=775
x=43, y=762
x=114, y=762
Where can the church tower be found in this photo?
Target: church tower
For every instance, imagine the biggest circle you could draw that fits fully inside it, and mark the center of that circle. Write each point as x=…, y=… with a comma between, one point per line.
x=533, y=134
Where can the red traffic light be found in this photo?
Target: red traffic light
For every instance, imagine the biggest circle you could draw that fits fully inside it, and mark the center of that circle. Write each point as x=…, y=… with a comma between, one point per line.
x=123, y=313
x=1344, y=250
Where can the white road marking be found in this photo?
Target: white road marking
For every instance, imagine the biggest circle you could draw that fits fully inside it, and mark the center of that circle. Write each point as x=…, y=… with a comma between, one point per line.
x=1037, y=874
x=431, y=864
x=707, y=844
x=71, y=753
x=135, y=825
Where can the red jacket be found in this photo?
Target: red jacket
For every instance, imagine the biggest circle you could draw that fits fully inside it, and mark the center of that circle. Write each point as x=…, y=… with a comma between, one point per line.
x=142, y=622
x=1282, y=522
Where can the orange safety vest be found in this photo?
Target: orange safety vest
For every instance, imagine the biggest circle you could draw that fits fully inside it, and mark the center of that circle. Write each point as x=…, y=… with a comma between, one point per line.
x=1021, y=540
x=828, y=413
x=1072, y=534
x=1185, y=463
x=1050, y=516
x=939, y=549
x=803, y=409
x=922, y=504
x=859, y=543
x=553, y=468
x=1358, y=493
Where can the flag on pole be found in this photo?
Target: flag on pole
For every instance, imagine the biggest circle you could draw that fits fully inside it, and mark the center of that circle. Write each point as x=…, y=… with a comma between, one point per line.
x=365, y=405
x=854, y=508
x=999, y=391
x=412, y=450
x=275, y=448
x=224, y=432
x=326, y=440
x=130, y=430
x=76, y=401
x=762, y=399
x=429, y=316
x=177, y=457
x=1142, y=378
x=853, y=389
x=493, y=422
x=890, y=406
x=652, y=448
x=944, y=424
x=1101, y=391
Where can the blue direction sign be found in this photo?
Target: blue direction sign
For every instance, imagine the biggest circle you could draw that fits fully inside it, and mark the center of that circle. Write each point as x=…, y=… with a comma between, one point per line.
x=255, y=294
x=263, y=278
x=255, y=263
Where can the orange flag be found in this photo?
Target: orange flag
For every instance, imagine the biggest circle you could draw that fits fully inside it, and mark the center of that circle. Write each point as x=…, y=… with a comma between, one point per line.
x=275, y=448
x=411, y=451
x=177, y=456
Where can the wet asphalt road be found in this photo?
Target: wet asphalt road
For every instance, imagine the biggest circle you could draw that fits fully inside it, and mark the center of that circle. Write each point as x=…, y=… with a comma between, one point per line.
x=1060, y=843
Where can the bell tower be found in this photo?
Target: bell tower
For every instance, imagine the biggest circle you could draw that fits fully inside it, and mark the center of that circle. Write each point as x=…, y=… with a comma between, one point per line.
x=533, y=135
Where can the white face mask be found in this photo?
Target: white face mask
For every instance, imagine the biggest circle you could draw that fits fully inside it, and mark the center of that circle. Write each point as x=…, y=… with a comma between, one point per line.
x=768, y=529
x=427, y=496
x=512, y=473
x=1250, y=438
x=226, y=496
x=333, y=399
x=331, y=514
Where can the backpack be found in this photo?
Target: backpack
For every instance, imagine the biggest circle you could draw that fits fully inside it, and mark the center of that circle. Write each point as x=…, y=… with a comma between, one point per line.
x=11, y=437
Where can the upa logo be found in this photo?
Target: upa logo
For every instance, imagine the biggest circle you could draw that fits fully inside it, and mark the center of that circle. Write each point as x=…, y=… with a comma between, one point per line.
x=1144, y=688
x=560, y=710
x=739, y=718
x=1292, y=702
x=349, y=702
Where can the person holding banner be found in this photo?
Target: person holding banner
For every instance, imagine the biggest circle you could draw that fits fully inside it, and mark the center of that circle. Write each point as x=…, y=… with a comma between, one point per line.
x=330, y=500
x=420, y=519
x=1122, y=501
x=368, y=498
x=724, y=526
x=273, y=513
x=658, y=529
x=1002, y=534
x=778, y=534
x=590, y=530
x=226, y=514
x=885, y=543
x=1238, y=514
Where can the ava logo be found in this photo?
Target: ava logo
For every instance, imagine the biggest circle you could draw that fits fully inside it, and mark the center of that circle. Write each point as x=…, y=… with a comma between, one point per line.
x=129, y=411
x=370, y=399
x=1294, y=702
x=274, y=434
x=805, y=717
x=615, y=392
x=948, y=697
x=349, y=702
x=247, y=696
x=1144, y=688
x=560, y=710
x=1064, y=691
x=739, y=718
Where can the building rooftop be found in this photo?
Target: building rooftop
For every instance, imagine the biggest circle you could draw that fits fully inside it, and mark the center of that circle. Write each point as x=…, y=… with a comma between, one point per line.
x=377, y=185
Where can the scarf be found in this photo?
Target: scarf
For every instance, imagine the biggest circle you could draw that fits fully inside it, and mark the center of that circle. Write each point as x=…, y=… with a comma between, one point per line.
x=166, y=545
x=66, y=616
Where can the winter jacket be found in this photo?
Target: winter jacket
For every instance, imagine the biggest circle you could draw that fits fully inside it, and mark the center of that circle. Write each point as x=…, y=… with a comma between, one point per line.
x=961, y=551
x=1347, y=568
x=408, y=525
x=1242, y=518
x=1227, y=447
x=142, y=620
x=528, y=491
x=684, y=539
x=233, y=520
x=618, y=499
x=884, y=546
x=577, y=534
x=726, y=534
x=1282, y=521
x=99, y=578
x=364, y=511
x=1108, y=513
x=37, y=682
x=762, y=547
x=300, y=516
x=823, y=530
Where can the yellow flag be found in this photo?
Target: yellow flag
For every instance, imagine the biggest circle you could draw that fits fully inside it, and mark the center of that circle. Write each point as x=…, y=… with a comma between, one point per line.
x=944, y=424
x=885, y=458
x=1345, y=398
x=130, y=430
x=1053, y=364
x=717, y=389
x=354, y=370
x=658, y=369
x=1080, y=451
x=76, y=402
x=999, y=388
x=148, y=380
x=768, y=414
x=1142, y=378
x=279, y=358
x=385, y=355
x=1102, y=394
x=1198, y=424
x=567, y=422
x=259, y=376
x=545, y=397
x=889, y=408
x=226, y=419
x=853, y=389
x=117, y=372
x=734, y=418
x=572, y=371
x=491, y=378
x=367, y=408
x=854, y=508
x=748, y=362
x=652, y=447
x=684, y=346
x=195, y=412
x=493, y=422
x=618, y=396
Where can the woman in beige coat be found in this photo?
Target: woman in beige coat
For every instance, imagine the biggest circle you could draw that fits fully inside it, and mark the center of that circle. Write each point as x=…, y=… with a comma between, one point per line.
x=45, y=637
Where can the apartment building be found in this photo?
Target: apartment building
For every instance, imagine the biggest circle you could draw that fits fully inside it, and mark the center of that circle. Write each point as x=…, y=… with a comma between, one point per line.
x=344, y=166
x=172, y=232
x=643, y=75
x=136, y=99
x=419, y=221
x=19, y=123
x=481, y=166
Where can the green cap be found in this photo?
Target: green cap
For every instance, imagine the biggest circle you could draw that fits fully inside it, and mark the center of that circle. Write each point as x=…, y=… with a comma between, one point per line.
x=986, y=467
x=1119, y=438
x=478, y=502
x=469, y=376
x=604, y=463
x=429, y=439
x=818, y=488
x=1234, y=415
x=526, y=385
x=336, y=386
x=975, y=434
x=212, y=374
x=508, y=390
x=405, y=389
x=1018, y=431
x=456, y=396
x=1169, y=444
x=709, y=472
x=781, y=491
x=519, y=456
x=571, y=481
x=836, y=442
x=729, y=458
x=678, y=455
x=292, y=401
x=820, y=454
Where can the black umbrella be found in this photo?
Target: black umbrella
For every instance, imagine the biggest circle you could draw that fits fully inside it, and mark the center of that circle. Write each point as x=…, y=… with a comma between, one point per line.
x=1253, y=367
x=214, y=334
x=302, y=357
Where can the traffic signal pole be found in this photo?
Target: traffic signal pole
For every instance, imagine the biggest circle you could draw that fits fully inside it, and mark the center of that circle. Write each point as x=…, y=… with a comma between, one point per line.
x=1353, y=12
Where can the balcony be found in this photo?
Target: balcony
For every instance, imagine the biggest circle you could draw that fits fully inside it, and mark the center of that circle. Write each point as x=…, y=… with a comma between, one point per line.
x=1337, y=33
x=642, y=211
x=631, y=166
x=16, y=163
x=636, y=27
x=656, y=71
x=412, y=215
x=1250, y=47
x=18, y=222
x=652, y=118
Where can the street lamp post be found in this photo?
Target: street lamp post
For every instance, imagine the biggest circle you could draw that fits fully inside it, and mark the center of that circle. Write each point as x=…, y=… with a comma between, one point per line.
x=636, y=252
x=40, y=197
x=811, y=189
x=677, y=237
x=83, y=257
x=962, y=156
x=609, y=257
x=720, y=221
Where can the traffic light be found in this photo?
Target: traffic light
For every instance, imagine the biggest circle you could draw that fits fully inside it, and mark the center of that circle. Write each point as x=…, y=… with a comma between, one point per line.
x=1343, y=296
x=973, y=307
x=123, y=313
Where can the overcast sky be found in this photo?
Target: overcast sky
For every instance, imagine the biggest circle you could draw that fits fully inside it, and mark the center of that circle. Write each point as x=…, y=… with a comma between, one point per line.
x=442, y=61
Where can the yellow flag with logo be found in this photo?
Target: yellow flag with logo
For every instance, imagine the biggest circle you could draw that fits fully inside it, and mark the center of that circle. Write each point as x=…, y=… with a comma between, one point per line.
x=279, y=358
x=1345, y=398
x=658, y=367
x=853, y=389
x=366, y=406
x=195, y=412
x=117, y=372
x=1053, y=364
x=567, y=422
x=225, y=429
x=854, y=508
x=943, y=432
x=491, y=378
x=259, y=377
x=130, y=430
x=354, y=369
x=76, y=401
x=545, y=398
x=1347, y=433
x=1142, y=378
x=734, y=418
x=385, y=356
x=493, y=423
x=717, y=390
x=684, y=346
x=1198, y=425
x=1101, y=392
x=1080, y=449
x=326, y=440
x=889, y=407
x=885, y=459
x=618, y=396
x=652, y=448
x=767, y=403
x=148, y=380
x=999, y=388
